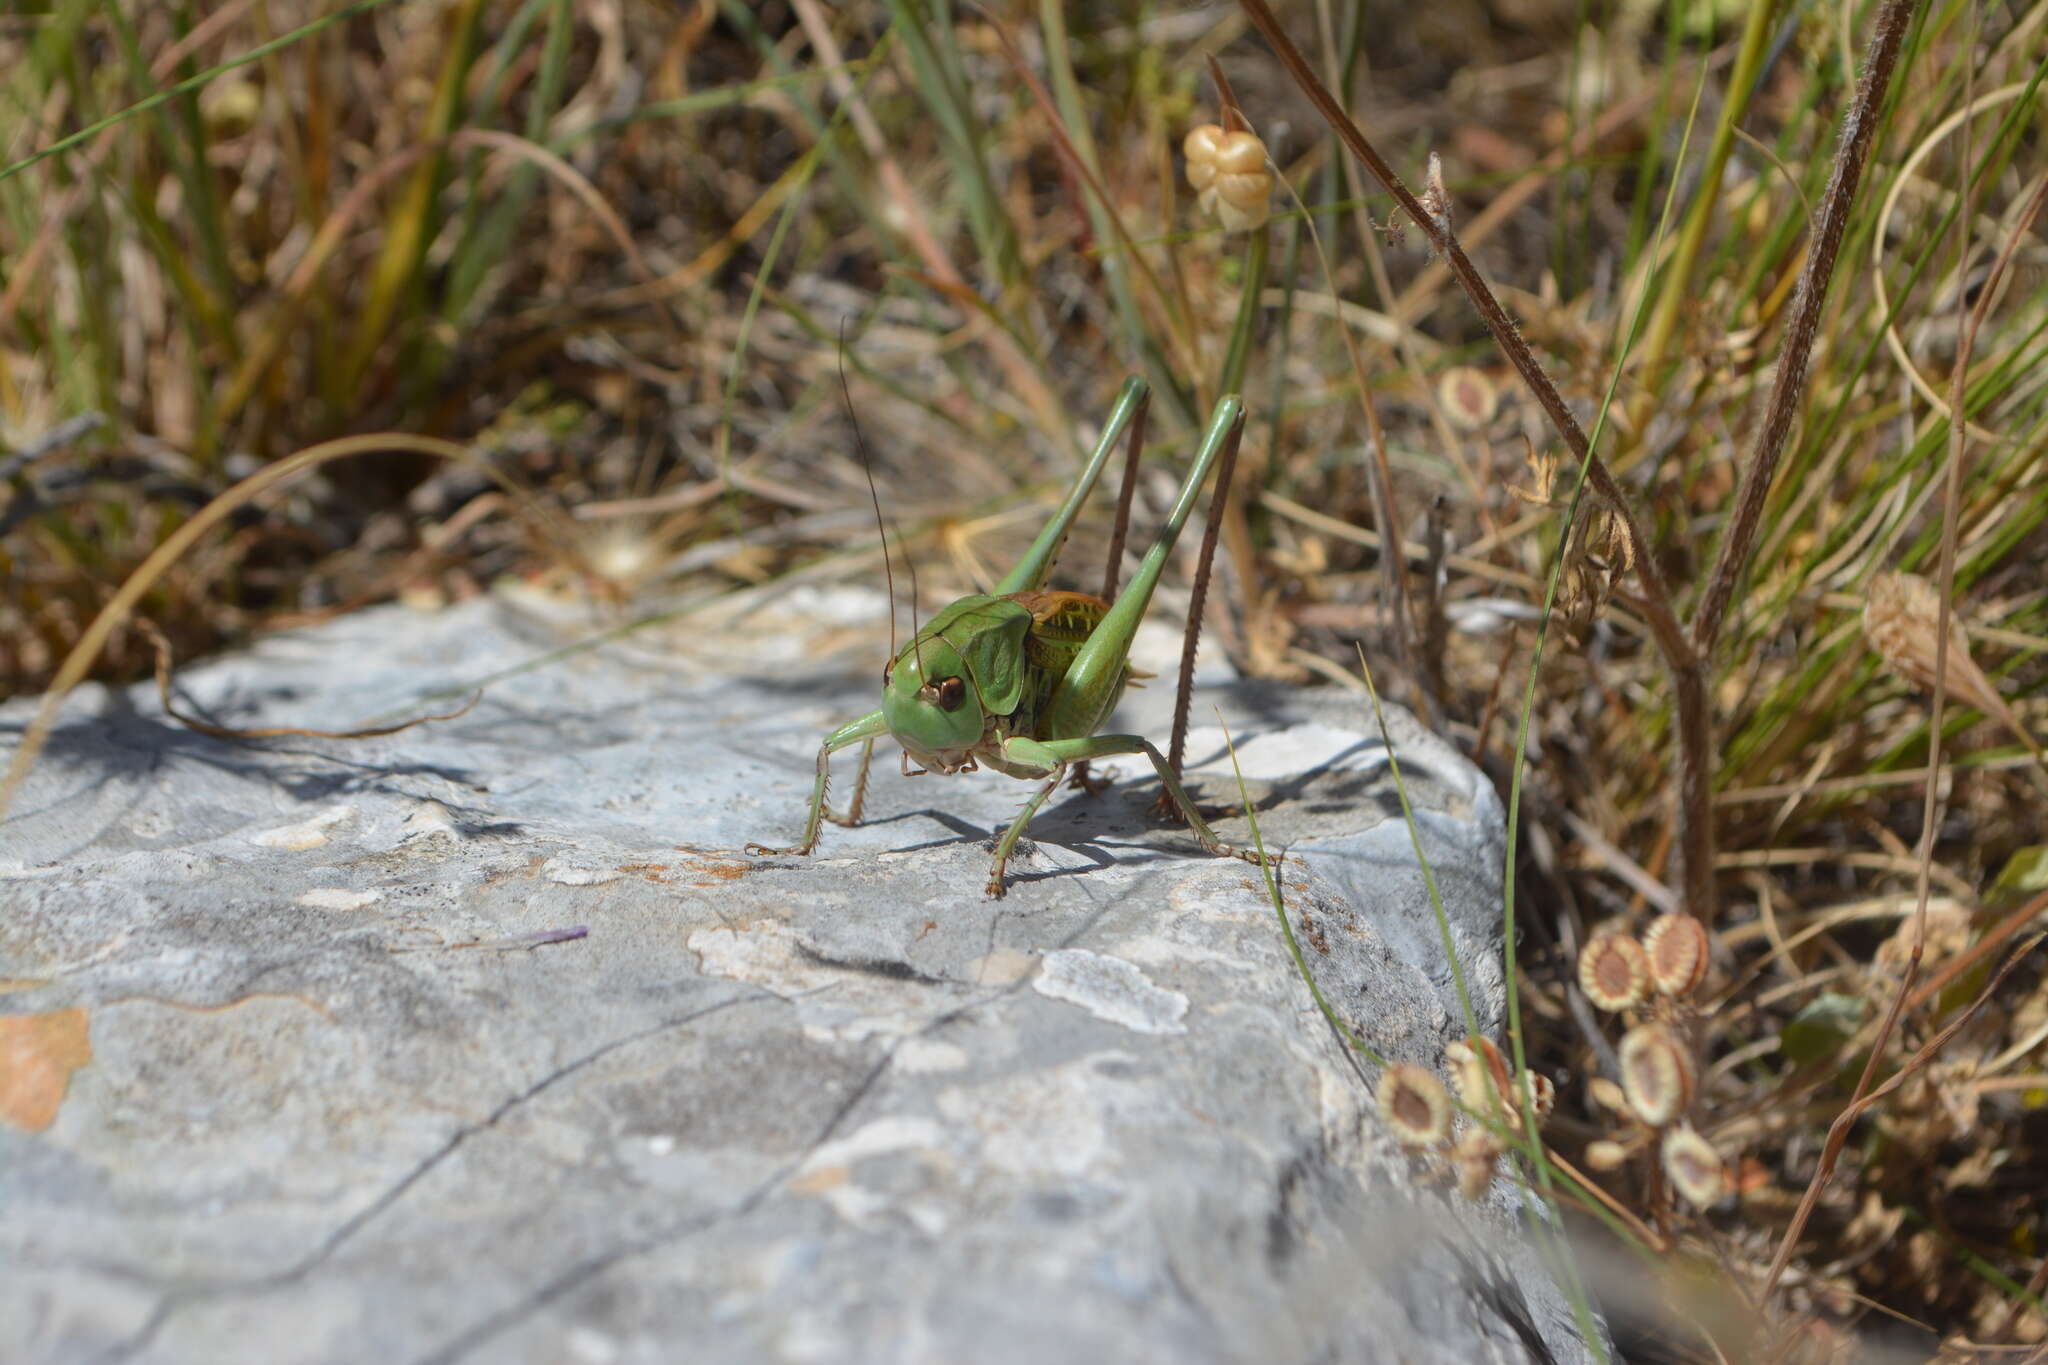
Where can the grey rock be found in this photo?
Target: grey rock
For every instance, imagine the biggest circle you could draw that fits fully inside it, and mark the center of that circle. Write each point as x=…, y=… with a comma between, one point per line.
x=355, y=1094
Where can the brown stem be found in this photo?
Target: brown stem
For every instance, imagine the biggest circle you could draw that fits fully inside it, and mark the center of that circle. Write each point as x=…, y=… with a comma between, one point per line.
x=1696, y=789
x=1830, y=220
x=1695, y=719
x=1657, y=609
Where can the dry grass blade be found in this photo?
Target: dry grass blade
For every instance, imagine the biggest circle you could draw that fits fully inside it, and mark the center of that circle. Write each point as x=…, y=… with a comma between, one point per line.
x=117, y=610
x=27, y=268
x=206, y=727
x=325, y=243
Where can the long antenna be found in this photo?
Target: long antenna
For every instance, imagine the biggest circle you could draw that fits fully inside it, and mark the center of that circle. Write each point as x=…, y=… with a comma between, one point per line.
x=867, y=467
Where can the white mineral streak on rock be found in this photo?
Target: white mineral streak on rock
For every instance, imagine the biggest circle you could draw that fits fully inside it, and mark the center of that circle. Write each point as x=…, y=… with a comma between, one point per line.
x=896, y=1133
x=428, y=819
x=306, y=834
x=923, y=1056
x=827, y=1172
x=569, y=874
x=335, y=898
x=1273, y=754
x=764, y=953
x=1111, y=988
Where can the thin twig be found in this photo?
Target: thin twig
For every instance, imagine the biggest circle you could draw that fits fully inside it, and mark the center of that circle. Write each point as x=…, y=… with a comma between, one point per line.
x=206, y=727
x=1838, y=1131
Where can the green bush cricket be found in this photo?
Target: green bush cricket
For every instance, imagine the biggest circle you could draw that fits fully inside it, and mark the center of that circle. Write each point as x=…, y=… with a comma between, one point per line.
x=1020, y=679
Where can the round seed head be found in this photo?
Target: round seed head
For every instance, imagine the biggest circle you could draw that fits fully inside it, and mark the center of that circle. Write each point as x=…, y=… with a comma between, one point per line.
x=1677, y=949
x=1614, y=972
x=1468, y=396
x=1228, y=173
x=1695, y=1168
x=1605, y=1155
x=1414, y=1106
x=1240, y=153
x=1199, y=147
x=1656, y=1074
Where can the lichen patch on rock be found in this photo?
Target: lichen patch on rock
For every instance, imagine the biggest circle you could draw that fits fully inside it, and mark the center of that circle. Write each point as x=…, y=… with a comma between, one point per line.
x=1110, y=988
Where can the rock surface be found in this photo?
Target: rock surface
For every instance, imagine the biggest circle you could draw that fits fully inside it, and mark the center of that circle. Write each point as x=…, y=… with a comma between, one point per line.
x=301, y=1061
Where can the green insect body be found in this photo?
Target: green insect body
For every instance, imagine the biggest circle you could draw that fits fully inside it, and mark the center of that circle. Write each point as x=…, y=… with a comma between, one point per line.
x=1020, y=680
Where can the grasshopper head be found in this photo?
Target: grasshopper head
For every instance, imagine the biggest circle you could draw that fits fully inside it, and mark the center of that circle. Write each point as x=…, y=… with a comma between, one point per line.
x=932, y=705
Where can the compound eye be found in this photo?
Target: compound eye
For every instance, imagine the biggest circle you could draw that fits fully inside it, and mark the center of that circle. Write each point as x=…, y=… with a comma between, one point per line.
x=946, y=693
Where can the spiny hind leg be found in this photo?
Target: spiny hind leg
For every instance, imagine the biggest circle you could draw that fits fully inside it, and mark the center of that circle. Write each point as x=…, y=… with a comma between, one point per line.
x=1082, y=778
x=1048, y=752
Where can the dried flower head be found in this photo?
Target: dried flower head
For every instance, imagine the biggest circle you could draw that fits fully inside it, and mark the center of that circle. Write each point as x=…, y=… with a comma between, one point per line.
x=1608, y=1096
x=1228, y=172
x=1471, y=1071
x=1677, y=948
x=1475, y=1156
x=1614, y=972
x=1902, y=621
x=1468, y=1077
x=1543, y=472
x=1414, y=1105
x=1695, y=1169
x=1656, y=1074
x=1543, y=1095
x=1436, y=201
x=1468, y=397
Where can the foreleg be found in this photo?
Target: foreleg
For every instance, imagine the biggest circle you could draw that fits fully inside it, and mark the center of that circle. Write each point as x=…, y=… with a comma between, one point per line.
x=864, y=729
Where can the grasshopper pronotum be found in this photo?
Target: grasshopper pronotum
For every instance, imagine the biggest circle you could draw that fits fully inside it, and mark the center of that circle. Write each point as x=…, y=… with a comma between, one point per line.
x=1020, y=679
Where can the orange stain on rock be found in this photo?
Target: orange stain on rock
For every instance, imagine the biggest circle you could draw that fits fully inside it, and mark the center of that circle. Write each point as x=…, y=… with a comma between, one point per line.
x=38, y=1053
